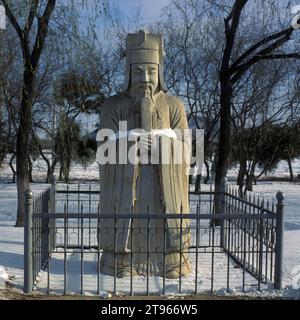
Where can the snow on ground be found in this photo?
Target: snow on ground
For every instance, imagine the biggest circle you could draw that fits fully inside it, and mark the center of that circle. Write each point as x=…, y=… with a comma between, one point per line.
x=11, y=238
x=78, y=172
x=3, y=276
x=90, y=170
x=11, y=251
x=281, y=171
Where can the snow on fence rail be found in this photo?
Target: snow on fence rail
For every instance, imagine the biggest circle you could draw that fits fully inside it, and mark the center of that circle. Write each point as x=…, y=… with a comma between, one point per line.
x=243, y=252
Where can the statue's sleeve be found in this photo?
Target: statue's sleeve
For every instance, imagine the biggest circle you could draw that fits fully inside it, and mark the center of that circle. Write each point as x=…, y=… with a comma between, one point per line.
x=177, y=114
x=178, y=123
x=174, y=176
x=115, y=190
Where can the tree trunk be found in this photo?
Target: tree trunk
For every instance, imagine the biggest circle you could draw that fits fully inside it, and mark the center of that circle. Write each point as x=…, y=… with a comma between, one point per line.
x=249, y=182
x=22, y=142
x=50, y=167
x=67, y=170
x=254, y=181
x=30, y=170
x=190, y=179
x=64, y=170
x=60, y=177
x=31, y=57
x=12, y=167
x=207, y=172
x=198, y=183
x=292, y=177
x=241, y=175
x=213, y=165
x=50, y=173
x=224, y=143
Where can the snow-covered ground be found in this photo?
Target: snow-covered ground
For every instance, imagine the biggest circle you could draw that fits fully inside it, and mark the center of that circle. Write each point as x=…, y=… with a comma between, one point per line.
x=90, y=171
x=11, y=250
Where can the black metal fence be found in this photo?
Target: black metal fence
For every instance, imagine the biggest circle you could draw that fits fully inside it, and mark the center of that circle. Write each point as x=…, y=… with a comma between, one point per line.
x=243, y=252
x=255, y=242
x=39, y=235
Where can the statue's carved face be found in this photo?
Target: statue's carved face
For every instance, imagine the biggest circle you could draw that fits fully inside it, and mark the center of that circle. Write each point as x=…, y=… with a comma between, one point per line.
x=144, y=79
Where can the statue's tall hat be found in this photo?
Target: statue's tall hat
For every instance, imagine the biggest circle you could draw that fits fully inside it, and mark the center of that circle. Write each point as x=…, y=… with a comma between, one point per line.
x=144, y=47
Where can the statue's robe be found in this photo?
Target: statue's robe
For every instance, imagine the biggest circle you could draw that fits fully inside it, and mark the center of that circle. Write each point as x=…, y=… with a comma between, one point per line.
x=158, y=188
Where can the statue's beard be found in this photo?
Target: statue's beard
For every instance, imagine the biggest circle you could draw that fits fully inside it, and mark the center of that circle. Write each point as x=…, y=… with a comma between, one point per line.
x=144, y=91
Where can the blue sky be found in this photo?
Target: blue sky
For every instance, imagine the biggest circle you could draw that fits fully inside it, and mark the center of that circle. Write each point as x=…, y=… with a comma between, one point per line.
x=150, y=10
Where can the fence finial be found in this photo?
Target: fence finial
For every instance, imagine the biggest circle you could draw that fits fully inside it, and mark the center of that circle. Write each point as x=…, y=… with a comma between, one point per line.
x=52, y=179
x=280, y=197
x=28, y=197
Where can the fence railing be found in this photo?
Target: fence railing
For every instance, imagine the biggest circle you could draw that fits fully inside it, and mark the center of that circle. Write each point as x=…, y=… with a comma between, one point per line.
x=256, y=241
x=244, y=251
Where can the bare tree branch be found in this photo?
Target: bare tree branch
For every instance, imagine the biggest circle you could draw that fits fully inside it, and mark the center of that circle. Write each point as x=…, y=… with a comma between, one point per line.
x=43, y=24
x=281, y=56
x=240, y=70
x=12, y=19
x=259, y=44
x=32, y=14
x=231, y=26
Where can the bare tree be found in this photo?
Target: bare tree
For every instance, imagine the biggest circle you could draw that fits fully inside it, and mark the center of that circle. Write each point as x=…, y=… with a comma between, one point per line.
x=10, y=80
x=31, y=58
x=235, y=67
x=33, y=22
x=265, y=100
x=191, y=68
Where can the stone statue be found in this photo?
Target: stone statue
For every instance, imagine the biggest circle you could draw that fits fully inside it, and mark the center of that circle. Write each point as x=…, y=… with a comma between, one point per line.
x=138, y=188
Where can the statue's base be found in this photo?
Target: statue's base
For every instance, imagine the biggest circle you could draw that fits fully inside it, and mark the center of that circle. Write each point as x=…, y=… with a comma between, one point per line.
x=143, y=265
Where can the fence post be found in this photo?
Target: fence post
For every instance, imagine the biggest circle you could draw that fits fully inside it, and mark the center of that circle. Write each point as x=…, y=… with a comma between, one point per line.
x=53, y=244
x=224, y=209
x=28, y=283
x=52, y=210
x=279, y=240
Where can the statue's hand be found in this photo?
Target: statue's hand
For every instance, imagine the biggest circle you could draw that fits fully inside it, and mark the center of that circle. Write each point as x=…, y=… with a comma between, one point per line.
x=148, y=142
x=146, y=113
x=145, y=142
x=146, y=103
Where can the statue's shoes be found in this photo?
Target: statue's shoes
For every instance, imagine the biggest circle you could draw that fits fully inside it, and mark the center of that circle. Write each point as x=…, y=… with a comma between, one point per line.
x=126, y=273
x=175, y=273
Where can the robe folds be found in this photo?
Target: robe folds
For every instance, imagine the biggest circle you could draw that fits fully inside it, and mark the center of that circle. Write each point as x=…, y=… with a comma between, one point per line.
x=138, y=188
